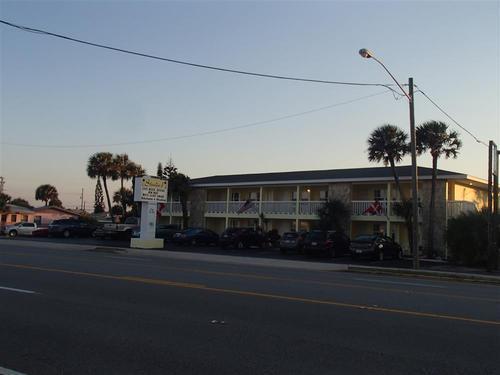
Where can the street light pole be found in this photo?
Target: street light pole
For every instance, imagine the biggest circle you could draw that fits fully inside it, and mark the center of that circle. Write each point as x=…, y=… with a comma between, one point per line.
x=413, y=150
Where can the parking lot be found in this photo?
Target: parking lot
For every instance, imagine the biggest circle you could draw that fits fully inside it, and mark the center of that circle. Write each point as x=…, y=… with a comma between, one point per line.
x=273, y=253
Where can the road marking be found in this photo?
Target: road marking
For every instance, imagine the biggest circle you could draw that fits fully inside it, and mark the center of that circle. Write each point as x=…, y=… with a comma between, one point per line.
x=6, y=371
x=400, y=283
x=274, y=278
x=17, y=290
x=258, y=294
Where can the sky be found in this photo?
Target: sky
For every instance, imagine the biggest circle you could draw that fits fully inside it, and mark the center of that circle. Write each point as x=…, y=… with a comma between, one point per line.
x=57, y=93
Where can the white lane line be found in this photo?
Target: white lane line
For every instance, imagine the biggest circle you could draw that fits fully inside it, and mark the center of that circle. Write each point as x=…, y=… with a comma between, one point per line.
x=123, y=257
x=6, y=371
x=16, y=290
x=401, y=283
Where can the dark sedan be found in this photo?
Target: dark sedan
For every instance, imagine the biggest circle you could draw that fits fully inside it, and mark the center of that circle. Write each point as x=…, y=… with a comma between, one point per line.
x=332, y=244
x=292, y=241
x=241, y=238
x=375, y=246
x=196, y=236
x=70, y=228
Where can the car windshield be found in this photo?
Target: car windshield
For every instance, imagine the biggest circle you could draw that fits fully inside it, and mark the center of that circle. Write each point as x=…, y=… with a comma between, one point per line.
x=192, y=231
x=290, y=236
x=317, y=235
x=365, y=238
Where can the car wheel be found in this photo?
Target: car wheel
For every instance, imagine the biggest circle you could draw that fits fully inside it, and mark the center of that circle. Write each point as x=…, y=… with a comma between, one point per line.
x=381, y=255
x=240, y=245
x=13, y=233
x=193, y=242
x=66, y=234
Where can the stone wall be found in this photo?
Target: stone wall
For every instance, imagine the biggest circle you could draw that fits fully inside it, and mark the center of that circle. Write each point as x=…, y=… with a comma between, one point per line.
x=198, y=198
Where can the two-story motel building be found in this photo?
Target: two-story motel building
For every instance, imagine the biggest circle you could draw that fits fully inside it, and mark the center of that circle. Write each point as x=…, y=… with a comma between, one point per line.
x=290, y=200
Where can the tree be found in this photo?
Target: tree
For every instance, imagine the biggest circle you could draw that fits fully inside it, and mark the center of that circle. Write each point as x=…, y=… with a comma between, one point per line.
x=98, y=198
x=100, y=165
x=125, y=197
x=180, y=185
x=46, y=193
x=21, y=202
x=333, y=215
x=55, y=202
x=433, y=136
x=4, y=200
x=125, y=170
x=170, y=169
x=388, y=144
x=159, y=170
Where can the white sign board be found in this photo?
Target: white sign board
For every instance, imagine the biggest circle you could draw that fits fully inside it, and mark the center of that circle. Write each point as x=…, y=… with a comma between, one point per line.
x=150, y=189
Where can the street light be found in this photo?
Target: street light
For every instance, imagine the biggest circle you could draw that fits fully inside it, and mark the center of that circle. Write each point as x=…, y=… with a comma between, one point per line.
x=367, y=54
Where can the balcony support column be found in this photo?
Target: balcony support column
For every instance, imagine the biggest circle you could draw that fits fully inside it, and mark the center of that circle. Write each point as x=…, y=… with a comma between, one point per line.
x=228, y=194
x=388, y=211
x=170, y=214
x=297, y=208
x=260, y=207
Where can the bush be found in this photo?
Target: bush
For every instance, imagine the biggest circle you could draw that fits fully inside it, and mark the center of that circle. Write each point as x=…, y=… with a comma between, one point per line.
x=467, y=237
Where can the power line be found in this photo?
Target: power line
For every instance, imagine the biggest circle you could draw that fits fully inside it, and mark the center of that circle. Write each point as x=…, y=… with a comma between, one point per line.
x=208, y=132
x=452, y=119
x=196, y=65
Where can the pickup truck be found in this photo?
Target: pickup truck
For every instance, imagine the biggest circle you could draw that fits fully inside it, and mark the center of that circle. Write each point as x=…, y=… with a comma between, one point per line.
x=117, y=230
x=20, y=229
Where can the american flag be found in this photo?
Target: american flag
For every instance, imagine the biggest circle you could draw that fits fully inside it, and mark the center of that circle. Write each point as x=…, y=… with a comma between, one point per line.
x=246, y=206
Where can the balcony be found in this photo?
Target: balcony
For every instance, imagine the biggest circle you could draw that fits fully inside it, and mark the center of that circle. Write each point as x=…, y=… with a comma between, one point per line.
x=456, y=208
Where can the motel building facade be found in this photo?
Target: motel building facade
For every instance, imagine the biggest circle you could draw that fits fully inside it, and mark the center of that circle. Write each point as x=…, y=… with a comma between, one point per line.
x=288, y=201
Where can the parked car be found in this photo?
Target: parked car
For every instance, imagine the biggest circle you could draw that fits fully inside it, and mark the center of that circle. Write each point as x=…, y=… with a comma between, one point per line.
x=375, y=246
x=115, y=230
x=165, y=231
x=332, y=243
x=196, y=236
x=20, y=229
x=292, y=241
x=41, y=232
x=71, y=228
x=241, y=238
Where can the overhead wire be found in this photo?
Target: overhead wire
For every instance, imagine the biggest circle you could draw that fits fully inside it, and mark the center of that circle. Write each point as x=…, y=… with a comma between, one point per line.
x=451, y=118
x=192, y=64
x=208, y=132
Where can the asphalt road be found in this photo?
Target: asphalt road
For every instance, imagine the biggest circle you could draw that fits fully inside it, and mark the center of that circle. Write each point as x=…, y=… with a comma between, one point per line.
x=77, y=311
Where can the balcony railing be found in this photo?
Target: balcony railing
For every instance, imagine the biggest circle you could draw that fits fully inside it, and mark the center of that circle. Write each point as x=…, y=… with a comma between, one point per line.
x=369, y=208
x=455, y=208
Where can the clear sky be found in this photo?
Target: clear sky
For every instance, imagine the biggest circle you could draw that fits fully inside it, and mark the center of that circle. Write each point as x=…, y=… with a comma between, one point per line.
x=58, y=92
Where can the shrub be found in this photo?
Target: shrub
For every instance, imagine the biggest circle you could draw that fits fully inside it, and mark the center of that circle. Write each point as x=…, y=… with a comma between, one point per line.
x=467, y=237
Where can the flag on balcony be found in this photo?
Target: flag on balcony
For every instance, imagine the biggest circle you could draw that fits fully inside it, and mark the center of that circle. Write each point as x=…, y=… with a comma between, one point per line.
x=374, y=209
x=246, y=206
x=161, y=208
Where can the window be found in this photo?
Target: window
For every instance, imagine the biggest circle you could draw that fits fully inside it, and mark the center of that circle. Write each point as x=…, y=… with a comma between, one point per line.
x=13, y=218
x=305, y=195
x=28, y=225
x=377, y=195
x=294, y=195
x=323, y=195
x=4, y=218
x=254, y=195
x=235, y=197
x=38, y=220
x=24, y=218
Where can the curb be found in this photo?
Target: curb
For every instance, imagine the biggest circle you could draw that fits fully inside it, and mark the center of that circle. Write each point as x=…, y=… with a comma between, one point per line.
x=427, y=274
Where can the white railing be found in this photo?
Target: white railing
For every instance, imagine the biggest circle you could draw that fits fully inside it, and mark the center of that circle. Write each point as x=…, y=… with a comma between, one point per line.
x=216, y=207
x=279, y=208
x=235, y=207
x=455, y=208
x=369, y=208
x=310, y=207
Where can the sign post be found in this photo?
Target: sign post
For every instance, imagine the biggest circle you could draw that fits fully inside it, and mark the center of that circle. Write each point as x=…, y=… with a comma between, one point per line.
x=150, y=191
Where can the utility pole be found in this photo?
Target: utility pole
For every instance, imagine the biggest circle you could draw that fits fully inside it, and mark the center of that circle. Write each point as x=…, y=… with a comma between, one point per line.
x=81, y=201
x=493, y=256
x=414, y=177
x=2, y=183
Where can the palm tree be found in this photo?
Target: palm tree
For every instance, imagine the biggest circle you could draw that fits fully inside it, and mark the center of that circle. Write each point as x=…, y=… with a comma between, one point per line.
x=388, y=144
x=180, y=185
x=125, y=170
x=46, y=193
x=4, y=200
x=101, y=165
x=433, y=136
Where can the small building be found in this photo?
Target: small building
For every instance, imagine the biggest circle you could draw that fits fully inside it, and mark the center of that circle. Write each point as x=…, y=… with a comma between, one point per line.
x=43, y=216
x=14, y=214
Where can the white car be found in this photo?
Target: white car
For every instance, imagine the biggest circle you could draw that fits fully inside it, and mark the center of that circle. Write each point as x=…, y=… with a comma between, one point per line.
x=20, y=229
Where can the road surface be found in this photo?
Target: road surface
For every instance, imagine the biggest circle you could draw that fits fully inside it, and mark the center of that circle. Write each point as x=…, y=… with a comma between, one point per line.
x=79, y=311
